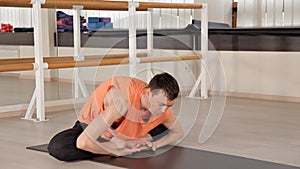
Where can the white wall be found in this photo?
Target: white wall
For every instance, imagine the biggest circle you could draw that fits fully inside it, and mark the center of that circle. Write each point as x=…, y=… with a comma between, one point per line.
x=268, y=13
x=254, y=13
x=266, y=73
x=218, y=10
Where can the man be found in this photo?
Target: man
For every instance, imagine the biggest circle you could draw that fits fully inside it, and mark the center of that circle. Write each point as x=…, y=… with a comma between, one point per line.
x=124, y=115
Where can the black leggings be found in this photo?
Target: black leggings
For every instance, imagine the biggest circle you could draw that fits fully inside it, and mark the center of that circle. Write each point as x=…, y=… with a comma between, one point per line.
x=63, y=145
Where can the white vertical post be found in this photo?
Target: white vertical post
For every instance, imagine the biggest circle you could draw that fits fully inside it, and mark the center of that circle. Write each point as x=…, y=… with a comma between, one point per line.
x=132, y=5
x=77, y=48
x=38, y=52
x=293, y=13
x=282, y=13
x=266, y=13
x=149, y=42
x=76, y=33
x=274, y=13
x=282, y=18
x=191, y=16
x=160, y=19
x=177, y=19
x=204, y=50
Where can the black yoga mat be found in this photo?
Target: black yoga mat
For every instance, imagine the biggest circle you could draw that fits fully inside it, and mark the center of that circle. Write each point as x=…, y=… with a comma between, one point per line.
x=183, y=158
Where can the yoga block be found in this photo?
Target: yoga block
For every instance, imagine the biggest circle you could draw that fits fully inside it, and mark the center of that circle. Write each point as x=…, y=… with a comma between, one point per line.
x=104, y=19
x=92, y=25
x=99, y=25
x=108, y=25
x=93, y=19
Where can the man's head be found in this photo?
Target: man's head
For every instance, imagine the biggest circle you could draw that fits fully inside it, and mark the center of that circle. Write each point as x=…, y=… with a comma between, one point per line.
x=164, y=90
x=166, y=83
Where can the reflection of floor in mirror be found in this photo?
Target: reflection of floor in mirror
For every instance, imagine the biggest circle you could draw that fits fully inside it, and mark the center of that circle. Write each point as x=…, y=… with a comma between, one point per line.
x=19, y=91
x=259, y=129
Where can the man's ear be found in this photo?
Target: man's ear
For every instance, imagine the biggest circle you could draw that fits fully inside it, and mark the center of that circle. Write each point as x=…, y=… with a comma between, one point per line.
x=148, y=92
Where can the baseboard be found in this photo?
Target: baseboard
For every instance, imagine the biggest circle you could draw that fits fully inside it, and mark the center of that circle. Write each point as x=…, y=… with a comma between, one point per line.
x=10, y=74
x=263, y=97
x=249, y=96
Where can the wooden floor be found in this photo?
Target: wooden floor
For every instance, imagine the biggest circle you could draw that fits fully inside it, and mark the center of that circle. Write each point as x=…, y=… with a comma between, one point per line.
x=259, y=129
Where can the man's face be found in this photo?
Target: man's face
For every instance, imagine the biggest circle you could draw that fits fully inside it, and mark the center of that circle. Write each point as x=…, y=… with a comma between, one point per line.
x=159, y=102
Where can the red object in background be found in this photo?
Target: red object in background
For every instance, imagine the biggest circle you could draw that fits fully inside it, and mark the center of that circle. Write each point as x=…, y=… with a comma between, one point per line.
x=6, y=27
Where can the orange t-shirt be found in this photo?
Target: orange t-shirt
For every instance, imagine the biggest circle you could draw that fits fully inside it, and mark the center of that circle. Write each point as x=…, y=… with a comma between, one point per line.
x=131, y=125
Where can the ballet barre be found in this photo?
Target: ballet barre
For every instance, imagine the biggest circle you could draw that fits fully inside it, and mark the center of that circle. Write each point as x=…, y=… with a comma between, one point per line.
x=58, y=64
x=67, y=58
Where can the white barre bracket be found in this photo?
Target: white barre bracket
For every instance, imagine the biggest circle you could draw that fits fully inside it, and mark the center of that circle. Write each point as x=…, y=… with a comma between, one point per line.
x=38, y=98
x=204, y=50
x=41, y=1
x=134, y=60
x=45, y=65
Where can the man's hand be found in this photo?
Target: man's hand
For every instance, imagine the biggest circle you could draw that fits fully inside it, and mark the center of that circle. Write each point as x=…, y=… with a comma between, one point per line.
x=131, y=145
x=147, y=145
x=121, y=147
x=126, y=151
x=142, y=144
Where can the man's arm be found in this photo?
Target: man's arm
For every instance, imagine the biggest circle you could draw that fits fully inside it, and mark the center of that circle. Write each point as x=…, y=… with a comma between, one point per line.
x=174, y=134
x=116, y=105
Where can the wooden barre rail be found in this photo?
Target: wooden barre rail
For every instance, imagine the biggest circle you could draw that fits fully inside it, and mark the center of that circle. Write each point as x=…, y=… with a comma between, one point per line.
x=31, y=60
x=98, y=4
x=16, y=67
x=147, y=5
x=67, y=58
x=56, y=65
x=72, y=64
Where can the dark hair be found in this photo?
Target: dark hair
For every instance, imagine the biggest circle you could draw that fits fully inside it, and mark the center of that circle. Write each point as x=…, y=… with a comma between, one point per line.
x=165, y=82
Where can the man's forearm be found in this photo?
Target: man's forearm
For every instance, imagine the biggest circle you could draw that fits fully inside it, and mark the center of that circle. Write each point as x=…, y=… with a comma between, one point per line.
x=96, y=127
x=111, y=147
x=117, y=148
x=174, y=134
x=171, y=137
